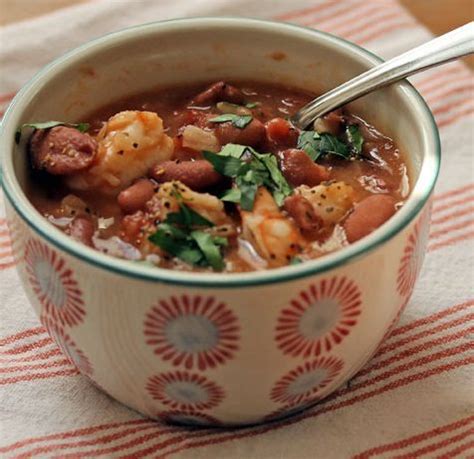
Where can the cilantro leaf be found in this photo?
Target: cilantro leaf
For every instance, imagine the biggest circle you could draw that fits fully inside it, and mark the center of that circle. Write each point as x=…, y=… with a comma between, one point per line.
x=187, y=217
x=234, y=150
x=318, y=145
x=209, y=246
x=177, y=236
x=225, y=165
x=231, y=195
x=252, y=104
x=239, y=121
x=354, y=138
x=176, y=243
x=307, y=141
x=81, y=127
x=261, y=169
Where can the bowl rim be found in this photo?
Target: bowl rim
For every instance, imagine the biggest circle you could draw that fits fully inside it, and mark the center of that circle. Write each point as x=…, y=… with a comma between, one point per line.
x=417, y=199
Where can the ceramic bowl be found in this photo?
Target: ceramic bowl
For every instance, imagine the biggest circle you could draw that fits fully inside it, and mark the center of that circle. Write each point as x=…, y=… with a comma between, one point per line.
x=217, y=349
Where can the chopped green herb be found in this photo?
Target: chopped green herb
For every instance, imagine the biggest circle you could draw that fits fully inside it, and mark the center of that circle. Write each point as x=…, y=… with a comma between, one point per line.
x=231, y=195
x=81, y=127
x=296, y=261
x=210, y=248
x=239, y=121
x=234, y=150
x=187, y=217
x=354, y=138
x=178, y=236
x=318, y=145
x=260, y=169
x=252, y=104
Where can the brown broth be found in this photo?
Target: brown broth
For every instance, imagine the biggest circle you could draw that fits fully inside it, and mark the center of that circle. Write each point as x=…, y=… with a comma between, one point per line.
x=381, y=171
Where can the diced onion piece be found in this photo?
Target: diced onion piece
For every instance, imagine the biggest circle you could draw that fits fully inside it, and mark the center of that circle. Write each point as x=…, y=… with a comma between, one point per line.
x=199, y=139
x=227, y=107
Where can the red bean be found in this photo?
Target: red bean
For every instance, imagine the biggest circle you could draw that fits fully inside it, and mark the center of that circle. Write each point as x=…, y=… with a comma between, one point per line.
x=82, y=229
x=302, y=212
x=62, y=150
x=220, y=91
x=368, y=215
x=197, y=175
x=280, y=134
x=299, y=169
x=252, y=135
x=135, y=196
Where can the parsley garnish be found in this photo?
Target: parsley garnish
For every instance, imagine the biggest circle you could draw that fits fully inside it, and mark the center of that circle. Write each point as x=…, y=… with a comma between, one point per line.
x=260, y=170
x=178, y=235
x=81, y=127
x=318, y=145
x=239, y=121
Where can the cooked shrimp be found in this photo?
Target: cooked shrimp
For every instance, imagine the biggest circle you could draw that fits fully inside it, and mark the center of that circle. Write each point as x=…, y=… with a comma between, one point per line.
x=128, y=145
x=275, y=237
x=331, y=201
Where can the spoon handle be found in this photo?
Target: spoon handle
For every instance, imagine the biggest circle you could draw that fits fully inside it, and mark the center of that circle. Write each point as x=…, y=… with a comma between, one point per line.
x=452, y=45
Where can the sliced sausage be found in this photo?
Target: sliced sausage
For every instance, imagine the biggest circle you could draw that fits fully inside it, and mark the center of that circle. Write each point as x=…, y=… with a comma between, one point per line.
x=62, y=150
x=368, y=215
x=302, y=212
x=251, y=135
x=220, y=91
x=82, y=229
x=299, y=169
x=197, y=175
x=280, y=134
x=135, y=196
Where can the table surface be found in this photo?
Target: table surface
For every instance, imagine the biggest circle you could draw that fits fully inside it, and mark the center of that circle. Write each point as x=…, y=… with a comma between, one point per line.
x=438, y=15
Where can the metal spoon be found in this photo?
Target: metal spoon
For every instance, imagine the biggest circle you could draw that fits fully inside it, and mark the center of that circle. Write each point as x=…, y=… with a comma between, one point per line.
x=453, y=45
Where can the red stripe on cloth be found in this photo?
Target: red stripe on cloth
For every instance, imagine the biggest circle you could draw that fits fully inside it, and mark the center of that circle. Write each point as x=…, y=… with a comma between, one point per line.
x=124, y=446
x=33, y=358
x=28, y=347
x=431, y=318
x=36, y=376
x=7, y=97
x=4, y=233
x=448, y=229
x=73, y=433
x=433, y=82
x=455, y=192
x=448, y=92
x=415, y=439
x=326, y=22
x=104, y=440
x=220, y=438
x=450, y=106
x=438, y=445
x=409, y=339
x=455, y=214
x=384, y=30
x=306, y=11
x=441, y=355
x=36, y=366
x=457, y=451
x=456, y=117
x=22, y=335
x=451, y=241
x=7, y=265
x=456, y=202
x=427, y=345
x=445, y=72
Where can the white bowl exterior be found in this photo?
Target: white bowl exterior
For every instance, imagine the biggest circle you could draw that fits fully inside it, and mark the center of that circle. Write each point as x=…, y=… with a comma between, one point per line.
x=257, y=373
x=110, y=332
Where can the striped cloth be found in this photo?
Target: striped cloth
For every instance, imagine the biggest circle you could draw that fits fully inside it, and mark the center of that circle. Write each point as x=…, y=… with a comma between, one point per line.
x=413, y=399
